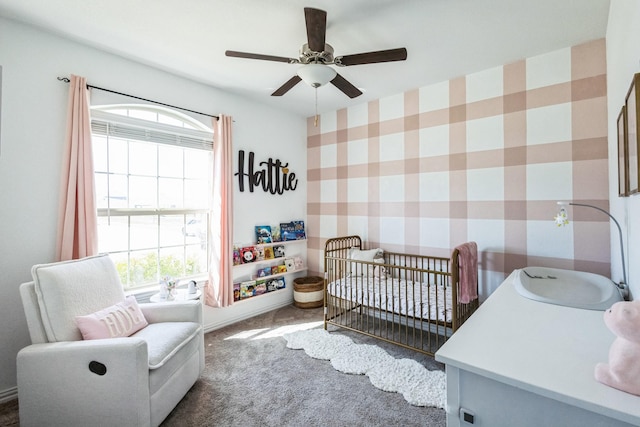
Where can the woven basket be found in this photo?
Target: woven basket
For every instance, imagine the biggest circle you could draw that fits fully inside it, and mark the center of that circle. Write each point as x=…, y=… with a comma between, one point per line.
x=308, y=292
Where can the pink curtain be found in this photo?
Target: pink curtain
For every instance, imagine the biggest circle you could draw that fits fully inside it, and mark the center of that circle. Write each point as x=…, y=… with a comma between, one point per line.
x=219, y=293
x=77, y=216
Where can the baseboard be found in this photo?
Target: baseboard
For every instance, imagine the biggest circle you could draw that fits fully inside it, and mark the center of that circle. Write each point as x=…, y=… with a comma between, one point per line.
x=212, y=326
x=8, y=394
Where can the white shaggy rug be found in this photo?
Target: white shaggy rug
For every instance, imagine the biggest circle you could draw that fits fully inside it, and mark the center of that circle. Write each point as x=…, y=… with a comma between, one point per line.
x=418, y=385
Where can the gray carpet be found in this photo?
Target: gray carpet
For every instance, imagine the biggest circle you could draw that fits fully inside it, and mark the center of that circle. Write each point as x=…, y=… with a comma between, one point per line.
x=252, y=379
x=257, y=381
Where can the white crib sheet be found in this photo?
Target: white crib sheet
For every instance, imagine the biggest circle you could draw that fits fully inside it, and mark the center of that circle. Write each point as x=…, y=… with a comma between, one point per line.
x=396, y=296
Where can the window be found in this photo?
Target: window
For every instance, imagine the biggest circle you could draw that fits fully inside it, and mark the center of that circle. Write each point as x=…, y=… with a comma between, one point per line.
x=153, y=169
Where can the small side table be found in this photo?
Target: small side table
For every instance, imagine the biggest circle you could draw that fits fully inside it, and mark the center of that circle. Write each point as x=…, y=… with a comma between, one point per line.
x=181, y=295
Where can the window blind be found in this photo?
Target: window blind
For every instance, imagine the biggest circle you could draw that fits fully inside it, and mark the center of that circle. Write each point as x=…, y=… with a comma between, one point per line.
x=118, y=126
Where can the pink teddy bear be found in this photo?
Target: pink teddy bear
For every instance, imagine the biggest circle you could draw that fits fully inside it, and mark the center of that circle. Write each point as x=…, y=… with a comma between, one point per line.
x=623, y=370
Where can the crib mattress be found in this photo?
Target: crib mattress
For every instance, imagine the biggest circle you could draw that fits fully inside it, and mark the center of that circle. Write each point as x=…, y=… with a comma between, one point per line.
x=399, y=296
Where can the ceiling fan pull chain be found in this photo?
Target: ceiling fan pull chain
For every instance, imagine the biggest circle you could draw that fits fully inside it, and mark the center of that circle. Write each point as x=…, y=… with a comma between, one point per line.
x=315, y=119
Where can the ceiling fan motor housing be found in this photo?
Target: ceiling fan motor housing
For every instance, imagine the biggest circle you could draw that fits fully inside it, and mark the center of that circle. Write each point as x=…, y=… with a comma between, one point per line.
x=308, y=56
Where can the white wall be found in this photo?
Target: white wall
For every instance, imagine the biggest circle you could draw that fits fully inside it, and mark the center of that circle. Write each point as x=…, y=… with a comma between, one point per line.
x=32, y=135
x=623, y=61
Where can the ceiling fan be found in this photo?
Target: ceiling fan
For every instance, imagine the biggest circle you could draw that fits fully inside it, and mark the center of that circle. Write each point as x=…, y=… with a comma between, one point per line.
x=316, y=56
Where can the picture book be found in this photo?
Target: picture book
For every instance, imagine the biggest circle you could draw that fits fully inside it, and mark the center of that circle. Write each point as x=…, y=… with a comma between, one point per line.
x=280, y=283
x=263, y=272
x=260, y=255
x=274, y=269
x=261, y=287
x=290, y=263
x=298, y=262
x=282, y=268
x=268, y=252
x=293, y=230
x=272, y=285
x=263, y=234
x=275, y=284
x=236, y=256
x=236, y=291
x=278, y=251
x=247, y=289
x=248, y=254
x=275, y=233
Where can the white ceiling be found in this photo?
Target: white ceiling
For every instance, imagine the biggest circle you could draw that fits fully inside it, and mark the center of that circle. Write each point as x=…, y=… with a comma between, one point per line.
x=444, y=38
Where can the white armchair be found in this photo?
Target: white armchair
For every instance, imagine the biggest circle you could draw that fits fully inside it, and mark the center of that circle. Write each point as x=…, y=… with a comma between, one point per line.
x=128, y=381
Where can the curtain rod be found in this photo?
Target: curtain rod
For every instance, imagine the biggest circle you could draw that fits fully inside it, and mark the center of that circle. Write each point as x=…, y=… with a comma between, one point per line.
x=66, y=80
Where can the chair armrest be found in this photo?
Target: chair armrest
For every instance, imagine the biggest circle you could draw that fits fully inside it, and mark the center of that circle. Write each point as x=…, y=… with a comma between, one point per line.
x=174, y=311
x=56, y=384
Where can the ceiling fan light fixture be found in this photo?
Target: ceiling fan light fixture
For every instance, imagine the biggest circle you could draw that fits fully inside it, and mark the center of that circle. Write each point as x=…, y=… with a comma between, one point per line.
x=316, y=75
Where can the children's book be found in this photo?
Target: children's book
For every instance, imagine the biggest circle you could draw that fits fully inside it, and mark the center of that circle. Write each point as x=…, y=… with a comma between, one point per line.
x=248, y=254
x=298, y=262
x=260, y=255
x=274, y=269
x=275, y=233
x=278, y=251
x=290, y=263
x=272, y=285
x=293, y=230
x=268, y=252
x=275, y=284
x=247, y=289
x=263, y=234
x=236, y=291
x=261, y=287
x=236, y=256
x=282, y=268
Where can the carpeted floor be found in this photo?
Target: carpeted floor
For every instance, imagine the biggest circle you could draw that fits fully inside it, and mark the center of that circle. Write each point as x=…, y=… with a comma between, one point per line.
x=252, y=379
x=9, y=414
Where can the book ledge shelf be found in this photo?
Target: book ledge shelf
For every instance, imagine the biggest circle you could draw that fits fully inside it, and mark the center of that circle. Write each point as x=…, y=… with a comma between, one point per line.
x=271, y=258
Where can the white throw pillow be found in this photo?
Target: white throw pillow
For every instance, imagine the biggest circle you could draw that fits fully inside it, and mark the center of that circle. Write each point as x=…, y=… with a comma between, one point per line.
x=369, y=255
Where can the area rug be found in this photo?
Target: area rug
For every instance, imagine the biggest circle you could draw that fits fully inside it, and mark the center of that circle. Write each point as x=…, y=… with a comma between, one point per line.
x=418, y=385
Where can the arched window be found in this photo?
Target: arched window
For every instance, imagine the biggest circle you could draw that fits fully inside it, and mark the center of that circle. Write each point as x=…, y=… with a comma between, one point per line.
x=153, y=169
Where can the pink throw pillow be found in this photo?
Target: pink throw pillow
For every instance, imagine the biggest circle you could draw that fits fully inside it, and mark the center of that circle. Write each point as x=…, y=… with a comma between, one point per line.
x=119, y=320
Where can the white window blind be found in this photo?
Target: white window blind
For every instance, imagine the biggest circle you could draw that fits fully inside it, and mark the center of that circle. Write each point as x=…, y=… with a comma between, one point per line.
x=118, y=126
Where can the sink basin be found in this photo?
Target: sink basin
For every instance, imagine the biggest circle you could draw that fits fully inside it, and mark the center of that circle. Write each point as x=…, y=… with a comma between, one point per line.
x=569, y=288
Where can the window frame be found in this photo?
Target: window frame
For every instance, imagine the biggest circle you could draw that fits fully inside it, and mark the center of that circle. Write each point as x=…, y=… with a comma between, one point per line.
x=192, y=135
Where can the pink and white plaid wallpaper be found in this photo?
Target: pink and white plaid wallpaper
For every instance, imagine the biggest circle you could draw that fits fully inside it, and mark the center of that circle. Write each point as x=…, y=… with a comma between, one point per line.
x=482, y=157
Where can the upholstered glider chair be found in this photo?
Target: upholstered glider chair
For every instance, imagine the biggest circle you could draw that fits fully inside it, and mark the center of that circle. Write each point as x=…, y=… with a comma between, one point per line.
x=98, y=358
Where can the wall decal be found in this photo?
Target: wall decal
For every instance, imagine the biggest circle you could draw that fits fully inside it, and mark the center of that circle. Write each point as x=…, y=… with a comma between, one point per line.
x=272, y=175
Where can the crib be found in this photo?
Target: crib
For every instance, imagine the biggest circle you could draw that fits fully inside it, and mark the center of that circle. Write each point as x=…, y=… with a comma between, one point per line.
x=406, y=299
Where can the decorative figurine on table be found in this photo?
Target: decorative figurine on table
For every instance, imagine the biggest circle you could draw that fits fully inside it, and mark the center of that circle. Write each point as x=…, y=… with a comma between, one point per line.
x=623, y=370
x=167, y=288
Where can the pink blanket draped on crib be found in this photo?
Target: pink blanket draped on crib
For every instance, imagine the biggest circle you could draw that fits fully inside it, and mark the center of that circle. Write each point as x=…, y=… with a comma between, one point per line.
x=468, y=256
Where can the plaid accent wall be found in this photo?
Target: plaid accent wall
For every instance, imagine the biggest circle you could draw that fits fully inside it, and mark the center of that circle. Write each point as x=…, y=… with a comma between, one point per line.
x=484, y=157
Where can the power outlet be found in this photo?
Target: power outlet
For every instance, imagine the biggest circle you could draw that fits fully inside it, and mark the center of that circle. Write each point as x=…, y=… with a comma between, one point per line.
x=467, y=416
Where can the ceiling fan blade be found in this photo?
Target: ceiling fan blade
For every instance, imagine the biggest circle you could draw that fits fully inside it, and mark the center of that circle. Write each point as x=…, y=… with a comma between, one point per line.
x=287, y=86
x=246, y=55
x=316, y=20
x=341, y=83
x=389, y=55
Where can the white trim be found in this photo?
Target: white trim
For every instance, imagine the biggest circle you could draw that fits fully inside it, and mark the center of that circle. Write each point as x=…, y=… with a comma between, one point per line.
x=230, y=321
x=8, y=394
